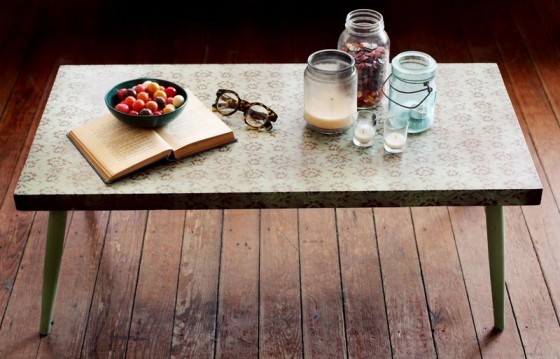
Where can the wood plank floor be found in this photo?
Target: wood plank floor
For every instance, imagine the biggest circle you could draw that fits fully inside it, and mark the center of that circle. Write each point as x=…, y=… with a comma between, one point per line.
x=294, y=283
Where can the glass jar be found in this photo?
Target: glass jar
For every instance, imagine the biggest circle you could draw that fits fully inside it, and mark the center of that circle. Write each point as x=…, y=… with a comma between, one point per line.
x=364, y=37
x=412, y=89
x=329, y=91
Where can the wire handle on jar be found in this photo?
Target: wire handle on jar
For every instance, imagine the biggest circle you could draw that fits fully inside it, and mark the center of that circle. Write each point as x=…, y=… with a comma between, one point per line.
x=425, y=83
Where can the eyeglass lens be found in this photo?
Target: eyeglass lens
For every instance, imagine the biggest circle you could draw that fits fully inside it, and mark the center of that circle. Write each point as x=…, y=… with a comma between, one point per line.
x=256, y=115
x=227, y=103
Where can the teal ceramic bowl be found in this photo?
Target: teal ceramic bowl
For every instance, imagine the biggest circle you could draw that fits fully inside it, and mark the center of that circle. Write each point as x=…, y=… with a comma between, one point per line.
x=145, y=121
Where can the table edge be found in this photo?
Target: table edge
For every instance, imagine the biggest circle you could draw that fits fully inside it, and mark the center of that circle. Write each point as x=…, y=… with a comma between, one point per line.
x=341, y=199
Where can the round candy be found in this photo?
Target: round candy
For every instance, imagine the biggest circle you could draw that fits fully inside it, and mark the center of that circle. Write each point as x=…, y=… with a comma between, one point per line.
x=122, y=107
x=152, y=105
x=138, y=105
x=121, y=93
x=152, y=87
x=144, y=96
x=168, y=108
x=129, y=100
x=170, y=91
x=129, y=92
x=178, y=100
x=140, y=88
x=145, y=112
x=160, y=102
x=159, y=93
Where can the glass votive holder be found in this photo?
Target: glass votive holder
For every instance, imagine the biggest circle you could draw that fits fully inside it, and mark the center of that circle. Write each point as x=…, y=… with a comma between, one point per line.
x=395, y=130
x=365, y=123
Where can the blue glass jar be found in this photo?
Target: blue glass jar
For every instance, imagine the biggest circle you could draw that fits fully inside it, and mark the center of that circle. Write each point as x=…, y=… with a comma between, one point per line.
x=412, y=89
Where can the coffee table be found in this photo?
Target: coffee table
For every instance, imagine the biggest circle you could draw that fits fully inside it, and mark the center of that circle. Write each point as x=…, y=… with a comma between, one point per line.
x=474, y=155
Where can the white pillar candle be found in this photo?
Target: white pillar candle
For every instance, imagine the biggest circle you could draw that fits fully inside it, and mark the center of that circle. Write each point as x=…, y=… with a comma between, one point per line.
x=330, y=112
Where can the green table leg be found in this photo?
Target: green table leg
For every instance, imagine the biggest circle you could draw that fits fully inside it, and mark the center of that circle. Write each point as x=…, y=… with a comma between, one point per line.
x=53, y=255
x=495, y=230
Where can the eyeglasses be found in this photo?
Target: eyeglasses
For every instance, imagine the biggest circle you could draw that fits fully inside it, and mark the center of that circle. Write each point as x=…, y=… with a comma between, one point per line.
x=255, y=114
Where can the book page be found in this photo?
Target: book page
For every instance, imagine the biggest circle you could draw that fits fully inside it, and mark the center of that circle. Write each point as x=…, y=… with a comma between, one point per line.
x=196, y=129
x=115, y=148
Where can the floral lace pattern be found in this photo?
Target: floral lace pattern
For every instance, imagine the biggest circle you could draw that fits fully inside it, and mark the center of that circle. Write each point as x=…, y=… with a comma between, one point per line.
x=474, y=154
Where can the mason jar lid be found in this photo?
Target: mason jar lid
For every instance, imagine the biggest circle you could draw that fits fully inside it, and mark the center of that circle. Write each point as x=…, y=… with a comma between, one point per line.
x=414, y=66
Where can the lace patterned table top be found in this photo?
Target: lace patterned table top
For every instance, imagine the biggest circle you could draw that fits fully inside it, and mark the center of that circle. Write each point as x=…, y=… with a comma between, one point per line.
x=474, y=154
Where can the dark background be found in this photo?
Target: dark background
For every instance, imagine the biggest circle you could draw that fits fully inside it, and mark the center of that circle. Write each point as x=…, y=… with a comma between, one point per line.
x=213, y=31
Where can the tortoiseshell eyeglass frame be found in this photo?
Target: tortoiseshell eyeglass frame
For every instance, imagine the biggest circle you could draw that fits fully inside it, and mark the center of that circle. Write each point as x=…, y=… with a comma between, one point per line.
x=244, y=106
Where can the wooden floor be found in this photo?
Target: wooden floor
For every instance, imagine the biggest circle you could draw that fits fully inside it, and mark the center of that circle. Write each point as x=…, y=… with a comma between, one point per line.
x=313, y=283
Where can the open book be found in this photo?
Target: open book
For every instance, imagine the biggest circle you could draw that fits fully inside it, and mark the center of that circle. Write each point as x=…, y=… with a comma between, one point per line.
x=115, y=149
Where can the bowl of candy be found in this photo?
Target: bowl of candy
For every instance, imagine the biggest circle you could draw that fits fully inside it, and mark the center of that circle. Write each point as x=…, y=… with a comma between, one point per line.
x=146, y=102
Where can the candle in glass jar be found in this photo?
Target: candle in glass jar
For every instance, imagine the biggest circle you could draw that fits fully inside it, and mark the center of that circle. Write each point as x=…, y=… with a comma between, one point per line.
x=329, y=91
x=365, y=122
x=395, y=131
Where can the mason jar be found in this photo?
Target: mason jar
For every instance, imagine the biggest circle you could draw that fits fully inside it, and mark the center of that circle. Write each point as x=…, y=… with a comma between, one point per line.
x=364, y=37
x=329, y=91
x=412, y=89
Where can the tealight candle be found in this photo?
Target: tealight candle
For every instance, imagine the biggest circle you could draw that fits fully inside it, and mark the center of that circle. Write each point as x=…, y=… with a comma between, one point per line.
x=364, y=133
x=395, y=141
x=395, y=131
x=364, y=128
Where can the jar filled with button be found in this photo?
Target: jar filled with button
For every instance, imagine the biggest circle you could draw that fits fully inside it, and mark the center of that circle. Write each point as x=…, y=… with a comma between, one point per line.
x=365, y=38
